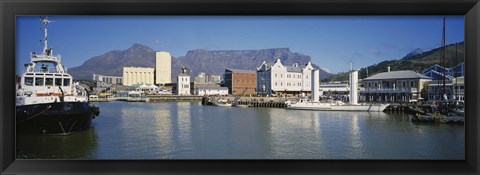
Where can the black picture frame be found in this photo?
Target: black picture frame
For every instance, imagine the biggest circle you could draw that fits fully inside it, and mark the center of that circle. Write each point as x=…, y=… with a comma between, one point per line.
x=10, y=8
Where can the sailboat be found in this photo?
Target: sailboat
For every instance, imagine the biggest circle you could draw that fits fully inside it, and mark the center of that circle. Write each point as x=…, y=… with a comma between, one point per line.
x=441, y=112
x=314, y=104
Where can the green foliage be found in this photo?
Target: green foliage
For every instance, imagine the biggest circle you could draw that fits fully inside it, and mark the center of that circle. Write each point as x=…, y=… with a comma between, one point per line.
x=417, y=63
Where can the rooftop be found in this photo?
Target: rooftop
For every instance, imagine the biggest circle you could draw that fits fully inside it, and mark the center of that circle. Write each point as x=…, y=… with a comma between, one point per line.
x=212, y=88
x=403, y=74
x=240, y=70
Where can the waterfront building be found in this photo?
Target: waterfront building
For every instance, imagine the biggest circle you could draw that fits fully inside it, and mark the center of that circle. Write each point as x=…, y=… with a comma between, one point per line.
x=109, y=80
x=215, y=78
x=201, y=78
x=436, y=72
x=183, y=83
x=334, y=89
x=211, y=91
x=163, y=72
x=278, y=80
x=240, y=82
x=394, y=86
x=147, y=88
x=138, y=75
x=455, y=89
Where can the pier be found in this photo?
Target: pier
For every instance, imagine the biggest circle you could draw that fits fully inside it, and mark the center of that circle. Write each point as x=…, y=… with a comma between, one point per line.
x=160, y=98
x=271, y=102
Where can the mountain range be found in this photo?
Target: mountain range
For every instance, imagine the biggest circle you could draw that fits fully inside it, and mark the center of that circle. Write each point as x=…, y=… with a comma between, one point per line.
x=417, y=60
x=213, y=62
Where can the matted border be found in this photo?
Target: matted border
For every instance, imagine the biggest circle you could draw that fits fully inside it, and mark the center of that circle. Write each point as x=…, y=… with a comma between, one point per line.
x=9, y=9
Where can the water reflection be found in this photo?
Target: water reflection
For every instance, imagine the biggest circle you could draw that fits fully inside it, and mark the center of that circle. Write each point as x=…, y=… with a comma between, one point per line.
x=75, y=146
x=186, y=130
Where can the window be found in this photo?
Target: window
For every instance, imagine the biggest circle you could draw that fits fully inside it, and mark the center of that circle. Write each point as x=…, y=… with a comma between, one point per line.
x=275, y=75
x=58, y=82
x=403, y=83
x=275, y=83
x=48, y=81
x=38, y=81
x=29, y=81
x=411, y=83
x=281, y=75
x=66, y=82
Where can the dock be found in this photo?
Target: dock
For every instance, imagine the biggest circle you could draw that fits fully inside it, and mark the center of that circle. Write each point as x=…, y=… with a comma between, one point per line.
x=438, y=118
x=162, y=98
x=270, y=102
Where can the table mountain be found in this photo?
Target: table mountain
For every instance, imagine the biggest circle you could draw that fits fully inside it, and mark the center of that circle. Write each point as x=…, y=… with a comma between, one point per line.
x=208, y=61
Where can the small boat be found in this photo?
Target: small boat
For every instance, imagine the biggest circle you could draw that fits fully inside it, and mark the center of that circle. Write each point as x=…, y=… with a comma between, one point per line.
x=136, y=96
x=223, y=103
x=47, y=99
x=450, y=118
x=242, y=106
x=335, y=106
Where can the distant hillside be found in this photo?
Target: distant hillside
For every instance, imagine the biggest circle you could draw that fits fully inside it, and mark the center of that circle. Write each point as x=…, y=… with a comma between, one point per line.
x=210, y=62
x=415, y=62
x=215, y=62
x=112, y=62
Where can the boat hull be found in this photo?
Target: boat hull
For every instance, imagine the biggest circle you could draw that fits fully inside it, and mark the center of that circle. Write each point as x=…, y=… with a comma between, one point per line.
x=55, y=118
x=332, y=107
x=223, y=104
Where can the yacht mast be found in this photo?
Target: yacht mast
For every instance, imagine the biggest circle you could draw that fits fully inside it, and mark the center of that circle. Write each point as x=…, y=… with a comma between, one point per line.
x=444, y=60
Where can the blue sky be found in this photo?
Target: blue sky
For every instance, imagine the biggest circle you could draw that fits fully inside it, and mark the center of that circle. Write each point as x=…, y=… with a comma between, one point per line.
x=331, y=41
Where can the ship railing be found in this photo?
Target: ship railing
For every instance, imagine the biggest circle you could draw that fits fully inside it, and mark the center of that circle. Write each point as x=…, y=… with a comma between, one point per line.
x=35, y=57
x=48, y=70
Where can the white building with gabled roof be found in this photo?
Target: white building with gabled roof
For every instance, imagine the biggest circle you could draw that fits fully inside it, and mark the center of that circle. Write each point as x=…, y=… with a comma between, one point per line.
x=394, y=86
x=280, y=80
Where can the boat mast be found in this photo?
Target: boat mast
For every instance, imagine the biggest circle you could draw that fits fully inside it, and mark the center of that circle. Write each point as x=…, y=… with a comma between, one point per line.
x=443, y=58
x=45, y=22
x=455, y=71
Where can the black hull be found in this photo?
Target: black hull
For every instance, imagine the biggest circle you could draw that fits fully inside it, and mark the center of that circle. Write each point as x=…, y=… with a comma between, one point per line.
x=55, y=118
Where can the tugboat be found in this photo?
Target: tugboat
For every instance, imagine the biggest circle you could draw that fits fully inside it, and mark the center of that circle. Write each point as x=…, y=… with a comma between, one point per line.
x=47, y=100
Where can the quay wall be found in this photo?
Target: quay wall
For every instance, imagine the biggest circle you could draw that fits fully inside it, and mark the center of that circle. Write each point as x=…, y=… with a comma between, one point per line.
x=276, y=102
x=159, y=98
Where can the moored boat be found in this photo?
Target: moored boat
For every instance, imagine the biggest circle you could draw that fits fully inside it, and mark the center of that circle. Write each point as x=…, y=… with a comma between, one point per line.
x=315, y=104
x=47, y=99
x=223, y=103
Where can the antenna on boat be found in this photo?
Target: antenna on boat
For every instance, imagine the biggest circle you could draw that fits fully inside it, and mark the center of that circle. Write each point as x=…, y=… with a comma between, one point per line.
x=45, y=22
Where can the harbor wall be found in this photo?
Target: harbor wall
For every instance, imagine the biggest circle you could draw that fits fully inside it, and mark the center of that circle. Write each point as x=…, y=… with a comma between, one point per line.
x=160, y=98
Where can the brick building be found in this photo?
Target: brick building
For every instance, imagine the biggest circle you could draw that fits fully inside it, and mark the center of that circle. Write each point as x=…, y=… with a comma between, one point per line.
x=240, y=82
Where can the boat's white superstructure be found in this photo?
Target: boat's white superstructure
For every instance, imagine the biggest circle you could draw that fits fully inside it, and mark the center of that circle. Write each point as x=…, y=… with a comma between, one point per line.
x=314, y=104
x=45, y=80
x=223, y=103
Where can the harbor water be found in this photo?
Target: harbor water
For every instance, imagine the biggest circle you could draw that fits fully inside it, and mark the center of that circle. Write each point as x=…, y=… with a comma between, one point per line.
x=189, y=130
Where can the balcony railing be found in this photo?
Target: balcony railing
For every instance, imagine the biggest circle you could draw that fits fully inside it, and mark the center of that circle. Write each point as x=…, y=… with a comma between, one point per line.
x=396, y=90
